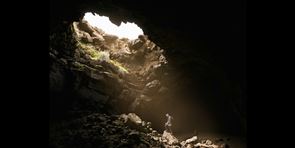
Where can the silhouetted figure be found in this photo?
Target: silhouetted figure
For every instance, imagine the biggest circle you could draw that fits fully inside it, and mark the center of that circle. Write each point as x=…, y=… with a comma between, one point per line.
x=168, y=124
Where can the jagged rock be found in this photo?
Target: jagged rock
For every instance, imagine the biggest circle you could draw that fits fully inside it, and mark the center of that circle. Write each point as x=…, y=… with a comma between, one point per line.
x=134, y=118
x=208, y=142
x=136, y=44
x=169, y=138
x=201, y=145
x=152, y=86
x=131, y=120
x=85, y=26
x=182, y=143
x=192, y=140
x=148, y=124
x=143, y=38
x=162, y=59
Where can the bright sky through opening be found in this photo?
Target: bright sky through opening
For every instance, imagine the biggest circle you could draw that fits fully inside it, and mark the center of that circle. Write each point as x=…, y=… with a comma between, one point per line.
x=125, y=30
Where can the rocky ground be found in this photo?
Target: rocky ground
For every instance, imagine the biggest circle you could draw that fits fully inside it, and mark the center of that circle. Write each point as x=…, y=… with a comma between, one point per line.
x=101, y=130
x=125, y=130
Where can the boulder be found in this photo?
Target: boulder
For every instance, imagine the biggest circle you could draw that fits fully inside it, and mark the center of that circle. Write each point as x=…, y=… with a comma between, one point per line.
x=143, y=38
x=84, y=26
x=191, y=140
x=132, y=118
x=110, y=38
x=171, y=140
x=136, y=44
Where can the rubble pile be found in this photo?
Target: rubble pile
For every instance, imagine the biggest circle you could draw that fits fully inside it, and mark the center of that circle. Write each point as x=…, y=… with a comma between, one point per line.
x=117, y=131
x=101, y=130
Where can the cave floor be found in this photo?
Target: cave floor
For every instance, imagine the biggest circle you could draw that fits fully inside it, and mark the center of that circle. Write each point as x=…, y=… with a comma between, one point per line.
x=232, y=141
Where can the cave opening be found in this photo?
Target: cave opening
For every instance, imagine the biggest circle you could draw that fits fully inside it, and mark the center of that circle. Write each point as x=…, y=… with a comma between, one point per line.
x=200, y=81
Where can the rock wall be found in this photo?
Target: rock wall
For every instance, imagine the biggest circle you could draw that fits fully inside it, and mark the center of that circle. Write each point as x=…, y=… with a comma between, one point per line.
x=123, y=74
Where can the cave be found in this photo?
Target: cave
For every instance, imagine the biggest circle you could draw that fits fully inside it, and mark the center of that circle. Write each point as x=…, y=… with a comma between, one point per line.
x=189, y=62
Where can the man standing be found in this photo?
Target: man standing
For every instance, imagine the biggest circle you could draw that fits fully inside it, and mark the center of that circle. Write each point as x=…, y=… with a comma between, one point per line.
x=168, y=124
